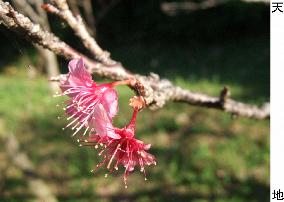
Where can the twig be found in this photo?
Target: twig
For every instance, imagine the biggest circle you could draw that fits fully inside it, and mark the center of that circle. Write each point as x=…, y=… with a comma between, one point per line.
x=87, y=12
x=28, y=10
x=61, y=9
x=156, y=91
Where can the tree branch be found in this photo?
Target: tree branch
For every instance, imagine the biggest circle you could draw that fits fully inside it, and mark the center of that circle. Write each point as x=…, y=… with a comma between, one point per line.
x=27, y=10
x=155, y=91
x=61, y=9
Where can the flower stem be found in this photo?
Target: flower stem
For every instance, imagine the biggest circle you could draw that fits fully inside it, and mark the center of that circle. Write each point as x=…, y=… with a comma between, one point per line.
x=119, y=83
x=133, y=118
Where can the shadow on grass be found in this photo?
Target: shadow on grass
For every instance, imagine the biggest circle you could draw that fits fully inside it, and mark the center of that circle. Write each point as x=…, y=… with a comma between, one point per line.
x=187, y=169
x=233, y=193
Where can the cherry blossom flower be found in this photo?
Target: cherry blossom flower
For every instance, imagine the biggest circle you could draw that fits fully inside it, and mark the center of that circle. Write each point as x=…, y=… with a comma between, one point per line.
x=87, y=98
x=93, y=106
x=120, y=149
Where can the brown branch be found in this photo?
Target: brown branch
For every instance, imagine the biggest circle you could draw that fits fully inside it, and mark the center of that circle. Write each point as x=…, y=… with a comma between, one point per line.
x=156, y=91
x=61, y=9
x=27, y=9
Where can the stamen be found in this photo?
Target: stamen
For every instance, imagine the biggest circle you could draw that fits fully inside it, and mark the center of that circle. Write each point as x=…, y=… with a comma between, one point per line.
x=75, y=125
x=70, y=105
x=56, y=95
x=70, y=117
x=85, y=131
x=108, y=166
x=78, y=129
x=101, y=152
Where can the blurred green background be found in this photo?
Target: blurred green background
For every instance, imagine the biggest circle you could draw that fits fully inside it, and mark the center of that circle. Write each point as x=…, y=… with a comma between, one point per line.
x=202, y=154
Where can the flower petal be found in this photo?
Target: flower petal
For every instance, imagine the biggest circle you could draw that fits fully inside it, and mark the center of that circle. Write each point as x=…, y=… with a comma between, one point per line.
x=78, y=75
x=110, y=102
x=102, y=123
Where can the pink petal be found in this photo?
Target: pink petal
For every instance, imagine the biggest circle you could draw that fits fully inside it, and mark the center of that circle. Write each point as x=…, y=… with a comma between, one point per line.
x=102, y=123
x=110, y=102
x=147, y=146
x=78, y=75
x=94, y=137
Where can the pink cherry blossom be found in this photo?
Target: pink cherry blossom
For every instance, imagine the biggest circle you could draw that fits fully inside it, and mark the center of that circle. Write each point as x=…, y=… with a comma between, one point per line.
x=87, y=99
x=123, y=149
x=93, y=106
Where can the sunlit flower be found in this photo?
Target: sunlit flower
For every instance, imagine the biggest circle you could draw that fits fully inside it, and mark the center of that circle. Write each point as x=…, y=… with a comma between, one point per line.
x=92, y=106
x=86, y=98
x=121, y=149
